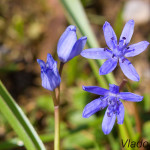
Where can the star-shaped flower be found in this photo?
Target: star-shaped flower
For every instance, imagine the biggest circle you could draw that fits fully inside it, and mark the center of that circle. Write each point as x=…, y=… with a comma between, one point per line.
x=117, y=51
x=110, y=99
x=68, y=46
x=49, y=73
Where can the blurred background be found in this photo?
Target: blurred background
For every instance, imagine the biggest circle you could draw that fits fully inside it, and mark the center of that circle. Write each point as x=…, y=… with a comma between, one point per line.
x=31, y=29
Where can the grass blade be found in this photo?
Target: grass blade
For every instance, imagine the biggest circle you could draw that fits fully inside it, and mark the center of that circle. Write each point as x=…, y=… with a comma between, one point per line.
x=19, y=121
x=10, y=144
x=77, y=15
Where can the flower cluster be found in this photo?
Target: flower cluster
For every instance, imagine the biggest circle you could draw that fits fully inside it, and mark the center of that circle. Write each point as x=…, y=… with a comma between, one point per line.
x=68, y=47
x=116, y=52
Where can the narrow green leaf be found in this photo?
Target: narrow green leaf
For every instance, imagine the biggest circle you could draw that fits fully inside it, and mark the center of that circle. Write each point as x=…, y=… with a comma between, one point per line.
x=16, y=125
x=146, y=102
x=77, y=16
x=123, y=135
x=19, y=121
x=10, y=144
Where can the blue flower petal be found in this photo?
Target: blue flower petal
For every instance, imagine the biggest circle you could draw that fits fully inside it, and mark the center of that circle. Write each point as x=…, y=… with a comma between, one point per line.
x=108, y=122
x=120, y=116
x=136, y=49
x=50, y=80
x=128, y=69
x=66, y=43
x=50, y=61
x=45, y=81
x=130, y=96
x=78, y=47
x=97, y=53
x=108, y=66
x=41, y=63
x=127, y=31
x=95, y=89
x=110, y=36
x=94, y=106
x=114, y=88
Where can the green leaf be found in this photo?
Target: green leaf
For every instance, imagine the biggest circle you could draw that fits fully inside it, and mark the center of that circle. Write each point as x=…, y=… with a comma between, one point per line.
x=146, y=102
x=19, y=121
x=146, y=130
x=10, y=144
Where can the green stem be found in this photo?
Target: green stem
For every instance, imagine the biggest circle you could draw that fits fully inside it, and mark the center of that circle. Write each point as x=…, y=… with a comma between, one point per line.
x=57, y=118
x=56, y=112
x=100, y=79
x=57, y=129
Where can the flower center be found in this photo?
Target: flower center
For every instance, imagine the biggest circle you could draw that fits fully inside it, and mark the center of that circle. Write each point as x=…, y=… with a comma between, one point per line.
x=113, y=106
x=119, y=49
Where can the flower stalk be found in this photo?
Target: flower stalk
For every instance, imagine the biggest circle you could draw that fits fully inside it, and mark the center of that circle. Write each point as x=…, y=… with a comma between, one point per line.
x=121, y=86
x=57, y=112
x=57, y=128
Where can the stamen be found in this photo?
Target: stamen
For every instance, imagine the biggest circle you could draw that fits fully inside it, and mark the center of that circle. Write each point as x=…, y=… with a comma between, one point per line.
x=112, y=38
x=124, y=40
x=130, y=50
x=123, y=60
x=113, y=56
x=105, y=49
x=108, y=114
x=128, y=47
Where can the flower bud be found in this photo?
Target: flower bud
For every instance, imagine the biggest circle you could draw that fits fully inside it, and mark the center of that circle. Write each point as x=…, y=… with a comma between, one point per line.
x=68, y=46
x=49, y=73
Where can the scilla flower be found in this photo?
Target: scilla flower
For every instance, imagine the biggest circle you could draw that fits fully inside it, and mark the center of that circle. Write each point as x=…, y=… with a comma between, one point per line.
x=68, y=45
x=117, y=51
x=110, y=99
x=49, y=73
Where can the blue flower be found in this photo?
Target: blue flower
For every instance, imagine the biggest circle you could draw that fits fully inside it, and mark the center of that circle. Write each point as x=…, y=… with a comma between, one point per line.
x=49, y=73
x=68, y=46
x=110, y=99
x=117, y=51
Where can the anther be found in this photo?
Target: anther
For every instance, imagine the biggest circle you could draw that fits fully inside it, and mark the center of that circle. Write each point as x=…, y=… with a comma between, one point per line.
x=112, y=38
x=123, y=60
x=128, y=47
x=124, y=38
x=108, y=114
x=113, y=56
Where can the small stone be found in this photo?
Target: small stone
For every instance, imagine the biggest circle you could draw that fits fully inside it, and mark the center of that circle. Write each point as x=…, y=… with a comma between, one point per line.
x=138, y=10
